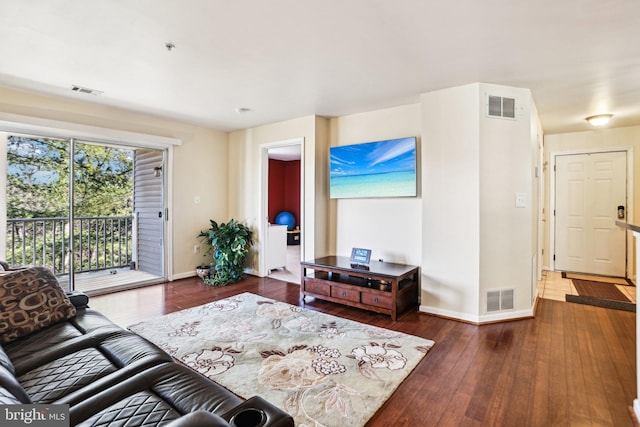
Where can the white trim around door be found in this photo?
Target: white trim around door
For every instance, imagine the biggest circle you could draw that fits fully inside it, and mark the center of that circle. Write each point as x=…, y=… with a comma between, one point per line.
x=552, y=199
x=264, y=199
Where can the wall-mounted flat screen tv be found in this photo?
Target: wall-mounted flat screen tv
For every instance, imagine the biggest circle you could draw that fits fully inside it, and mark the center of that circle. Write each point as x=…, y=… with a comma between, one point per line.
x=373, y=169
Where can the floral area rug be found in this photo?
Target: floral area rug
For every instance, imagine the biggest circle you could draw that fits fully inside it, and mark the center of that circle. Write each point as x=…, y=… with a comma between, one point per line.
x=323, y=370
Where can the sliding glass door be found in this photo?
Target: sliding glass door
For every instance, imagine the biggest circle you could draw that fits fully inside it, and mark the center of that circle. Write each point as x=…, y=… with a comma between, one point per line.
x=102, y=214
x=37, y=203
x=82, y=209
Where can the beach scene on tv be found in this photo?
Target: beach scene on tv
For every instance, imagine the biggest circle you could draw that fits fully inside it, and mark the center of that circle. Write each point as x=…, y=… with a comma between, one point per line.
x=374, y=169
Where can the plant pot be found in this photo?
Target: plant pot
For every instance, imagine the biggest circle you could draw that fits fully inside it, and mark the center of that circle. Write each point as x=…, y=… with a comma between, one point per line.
x=202, y=271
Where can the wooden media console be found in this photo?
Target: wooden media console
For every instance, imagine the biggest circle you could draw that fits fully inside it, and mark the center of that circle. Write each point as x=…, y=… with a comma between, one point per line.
x=382, y=287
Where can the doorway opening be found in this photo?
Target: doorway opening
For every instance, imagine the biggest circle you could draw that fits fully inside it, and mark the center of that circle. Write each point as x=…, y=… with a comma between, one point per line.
x=283, y=210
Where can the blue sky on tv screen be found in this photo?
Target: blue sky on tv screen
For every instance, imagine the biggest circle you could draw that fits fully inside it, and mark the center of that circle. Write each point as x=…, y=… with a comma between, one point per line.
x=395, y=155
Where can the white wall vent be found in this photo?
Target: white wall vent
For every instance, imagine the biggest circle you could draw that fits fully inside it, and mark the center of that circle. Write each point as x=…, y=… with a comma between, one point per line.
x=500, y=300
x=501, y=107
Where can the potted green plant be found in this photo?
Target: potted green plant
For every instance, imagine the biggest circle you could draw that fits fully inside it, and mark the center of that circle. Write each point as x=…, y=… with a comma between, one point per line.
x=229, y=243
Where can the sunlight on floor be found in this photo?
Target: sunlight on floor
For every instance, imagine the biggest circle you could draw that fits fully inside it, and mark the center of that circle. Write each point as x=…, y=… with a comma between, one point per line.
x=553, y=286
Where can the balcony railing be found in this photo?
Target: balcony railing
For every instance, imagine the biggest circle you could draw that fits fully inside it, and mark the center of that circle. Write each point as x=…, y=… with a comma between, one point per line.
x=100, y=243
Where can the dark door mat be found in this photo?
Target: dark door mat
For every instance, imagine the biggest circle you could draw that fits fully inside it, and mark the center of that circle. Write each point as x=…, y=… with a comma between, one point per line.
x=601, y=302
x=588, y=288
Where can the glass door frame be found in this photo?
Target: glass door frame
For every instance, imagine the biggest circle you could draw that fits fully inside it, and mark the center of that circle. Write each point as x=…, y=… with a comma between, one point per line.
x=11, y=123
x=71, y=251
x=71, y=218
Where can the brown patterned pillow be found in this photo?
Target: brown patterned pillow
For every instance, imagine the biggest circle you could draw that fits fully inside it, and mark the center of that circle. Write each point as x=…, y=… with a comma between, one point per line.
x=30, y=299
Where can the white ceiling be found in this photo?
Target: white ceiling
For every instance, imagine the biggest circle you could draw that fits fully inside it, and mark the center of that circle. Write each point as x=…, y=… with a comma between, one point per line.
x=290, y=58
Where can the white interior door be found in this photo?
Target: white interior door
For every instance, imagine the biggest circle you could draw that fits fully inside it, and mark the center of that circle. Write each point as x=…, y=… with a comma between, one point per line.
x=589, y=190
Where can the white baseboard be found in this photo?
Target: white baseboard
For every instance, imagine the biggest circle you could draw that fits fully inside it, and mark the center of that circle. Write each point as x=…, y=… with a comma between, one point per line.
x=506, y=316
x=478, y=319
x=636, y=408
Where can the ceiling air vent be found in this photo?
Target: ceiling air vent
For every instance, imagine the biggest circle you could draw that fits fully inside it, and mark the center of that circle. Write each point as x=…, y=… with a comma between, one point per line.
x=502, y=107
x=500, y=300
x=86, y=90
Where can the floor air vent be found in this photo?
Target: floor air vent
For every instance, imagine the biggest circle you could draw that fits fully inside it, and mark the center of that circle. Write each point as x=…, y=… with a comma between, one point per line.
x=500, y=300
x=498, y=106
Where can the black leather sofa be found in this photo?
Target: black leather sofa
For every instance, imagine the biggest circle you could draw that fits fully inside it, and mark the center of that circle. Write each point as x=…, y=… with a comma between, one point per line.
x=111, y=377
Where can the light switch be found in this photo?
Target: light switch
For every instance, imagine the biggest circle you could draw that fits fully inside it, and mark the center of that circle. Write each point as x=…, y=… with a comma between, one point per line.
x=196, y=200
x=521, y=200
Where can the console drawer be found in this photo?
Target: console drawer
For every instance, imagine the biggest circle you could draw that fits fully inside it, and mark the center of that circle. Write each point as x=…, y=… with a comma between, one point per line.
x=378, y=300
x=317, y=287
x=345, y=294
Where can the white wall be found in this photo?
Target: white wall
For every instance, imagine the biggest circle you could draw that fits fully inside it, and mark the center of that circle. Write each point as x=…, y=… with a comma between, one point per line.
x=507, y=242
x=537, y=200
x=474, y=238
x=319, y=222
x=451, y=202
x=200, y=169
x=390, y=227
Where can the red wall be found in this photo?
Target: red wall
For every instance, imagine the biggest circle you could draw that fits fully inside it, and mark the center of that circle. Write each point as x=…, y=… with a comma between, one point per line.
x=284, y=188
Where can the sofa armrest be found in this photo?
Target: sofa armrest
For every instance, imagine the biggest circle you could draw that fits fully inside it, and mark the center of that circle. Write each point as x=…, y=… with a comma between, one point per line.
x=199, y=419
x=78, y=299
x=258, y=412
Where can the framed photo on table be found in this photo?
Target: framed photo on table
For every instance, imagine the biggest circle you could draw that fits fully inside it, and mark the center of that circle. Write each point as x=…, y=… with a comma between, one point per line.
x=360, y=257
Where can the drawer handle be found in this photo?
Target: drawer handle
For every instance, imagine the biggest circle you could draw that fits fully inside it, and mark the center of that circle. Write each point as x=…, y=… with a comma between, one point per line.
x=344, y=294
x=375, y=299
x=315, y=287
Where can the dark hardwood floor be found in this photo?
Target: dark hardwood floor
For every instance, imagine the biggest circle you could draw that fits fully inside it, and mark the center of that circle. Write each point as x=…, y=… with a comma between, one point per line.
x=571, y=365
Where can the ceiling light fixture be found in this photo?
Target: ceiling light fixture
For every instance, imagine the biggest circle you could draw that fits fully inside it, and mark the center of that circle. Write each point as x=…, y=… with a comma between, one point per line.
x=599, y=119
x=170, y=46
x=241, y=110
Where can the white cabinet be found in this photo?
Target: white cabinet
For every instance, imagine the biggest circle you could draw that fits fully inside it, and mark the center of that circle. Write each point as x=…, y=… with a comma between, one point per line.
x=277, y=247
